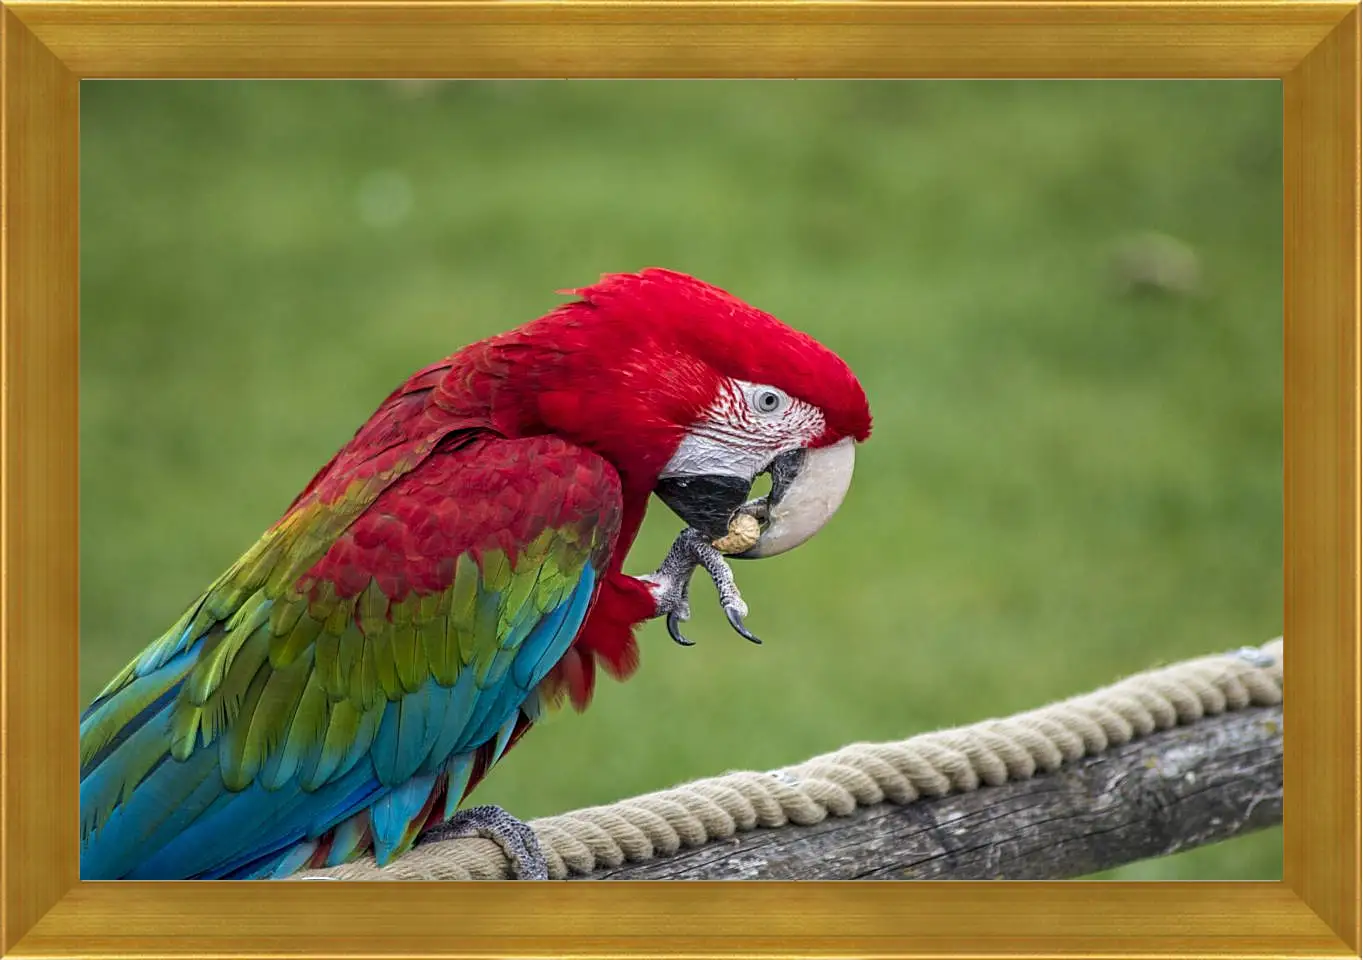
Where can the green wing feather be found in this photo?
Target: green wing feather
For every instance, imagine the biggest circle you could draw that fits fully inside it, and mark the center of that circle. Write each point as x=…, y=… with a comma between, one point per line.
x=288, y=674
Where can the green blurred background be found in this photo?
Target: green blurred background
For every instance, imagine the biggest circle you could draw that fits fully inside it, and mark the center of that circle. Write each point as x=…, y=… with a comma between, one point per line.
x=1063, y=299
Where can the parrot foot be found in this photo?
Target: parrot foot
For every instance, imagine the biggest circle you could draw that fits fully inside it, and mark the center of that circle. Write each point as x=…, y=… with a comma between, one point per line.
x=673, y=579
x=515, y=837
x=670, y=589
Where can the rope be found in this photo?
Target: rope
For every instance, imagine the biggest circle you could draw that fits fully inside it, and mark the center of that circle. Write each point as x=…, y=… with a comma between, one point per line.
x=860, y=774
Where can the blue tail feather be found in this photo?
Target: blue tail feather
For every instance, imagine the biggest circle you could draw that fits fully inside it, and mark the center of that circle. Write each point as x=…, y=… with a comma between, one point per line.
x=165, y=803
x=211, y=847
x=408, y=731
x=392, y=814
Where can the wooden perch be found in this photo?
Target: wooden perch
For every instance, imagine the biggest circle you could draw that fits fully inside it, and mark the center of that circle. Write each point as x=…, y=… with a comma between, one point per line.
x=1170, y=791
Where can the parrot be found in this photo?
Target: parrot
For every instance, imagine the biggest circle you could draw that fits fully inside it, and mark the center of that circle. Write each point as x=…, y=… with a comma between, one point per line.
x=453, y=573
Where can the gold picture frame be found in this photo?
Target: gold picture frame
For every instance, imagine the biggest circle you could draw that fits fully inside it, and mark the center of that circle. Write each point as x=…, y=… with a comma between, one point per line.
x=50, y=45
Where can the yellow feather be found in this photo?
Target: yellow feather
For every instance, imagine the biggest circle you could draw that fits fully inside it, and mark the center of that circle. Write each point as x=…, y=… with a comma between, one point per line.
x=283, y=617
x=371, y=609
x=431, y=637
x=215, y=713
x=496, y=570
x=409, y=655
x=328, y=664
x=272, y=713
x=513, y=600
x=285, y=648
x=238, y=765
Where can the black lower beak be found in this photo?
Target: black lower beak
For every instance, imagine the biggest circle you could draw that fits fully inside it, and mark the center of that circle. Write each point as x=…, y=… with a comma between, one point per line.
x=784, y=469
x=706, y=502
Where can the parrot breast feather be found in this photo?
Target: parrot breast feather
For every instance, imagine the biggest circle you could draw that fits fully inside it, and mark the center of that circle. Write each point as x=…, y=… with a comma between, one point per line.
x=393, y=662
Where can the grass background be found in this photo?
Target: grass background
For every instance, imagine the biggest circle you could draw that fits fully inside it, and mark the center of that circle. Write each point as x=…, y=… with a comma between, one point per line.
x=1067, y=483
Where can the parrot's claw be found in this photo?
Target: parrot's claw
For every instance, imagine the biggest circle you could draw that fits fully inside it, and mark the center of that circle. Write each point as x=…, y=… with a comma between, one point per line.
x=674, y=630
x=516, y=838
x=736, y=621
x=670, y=587
x=673, y=579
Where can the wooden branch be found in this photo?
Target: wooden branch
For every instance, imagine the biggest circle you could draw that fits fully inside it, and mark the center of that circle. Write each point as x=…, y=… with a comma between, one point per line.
x=1175, y=790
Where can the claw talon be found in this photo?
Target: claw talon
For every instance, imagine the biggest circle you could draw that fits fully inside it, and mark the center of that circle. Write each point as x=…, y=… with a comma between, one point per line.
x=736, y=621
x=674, y=629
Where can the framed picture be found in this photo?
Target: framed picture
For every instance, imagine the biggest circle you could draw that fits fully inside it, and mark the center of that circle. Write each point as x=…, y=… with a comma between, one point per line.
x=211, y=280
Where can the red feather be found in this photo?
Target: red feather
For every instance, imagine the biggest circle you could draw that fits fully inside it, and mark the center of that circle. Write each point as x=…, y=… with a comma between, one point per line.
x=471, y=495
x=622, y=371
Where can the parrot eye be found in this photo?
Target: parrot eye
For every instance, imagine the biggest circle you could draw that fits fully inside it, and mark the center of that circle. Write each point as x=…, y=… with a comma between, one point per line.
x=769, y=400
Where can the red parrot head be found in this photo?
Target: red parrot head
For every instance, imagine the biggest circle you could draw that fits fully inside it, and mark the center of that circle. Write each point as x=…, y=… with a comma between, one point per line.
x=692, y=393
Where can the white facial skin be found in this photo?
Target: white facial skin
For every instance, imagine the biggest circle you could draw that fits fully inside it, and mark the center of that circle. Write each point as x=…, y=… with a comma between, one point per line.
x=743, y=431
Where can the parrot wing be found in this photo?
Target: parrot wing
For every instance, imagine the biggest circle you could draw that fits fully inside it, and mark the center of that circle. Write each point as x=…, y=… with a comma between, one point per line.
x=358, y=664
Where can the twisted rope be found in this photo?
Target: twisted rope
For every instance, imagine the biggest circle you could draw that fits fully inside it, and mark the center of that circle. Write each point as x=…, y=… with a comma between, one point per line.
x=861, y=774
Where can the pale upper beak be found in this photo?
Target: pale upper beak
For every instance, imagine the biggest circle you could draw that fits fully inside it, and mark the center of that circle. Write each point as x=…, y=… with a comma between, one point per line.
x=807, y=488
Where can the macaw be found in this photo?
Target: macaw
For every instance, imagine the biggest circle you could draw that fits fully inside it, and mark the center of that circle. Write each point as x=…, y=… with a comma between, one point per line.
x=454, y=571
